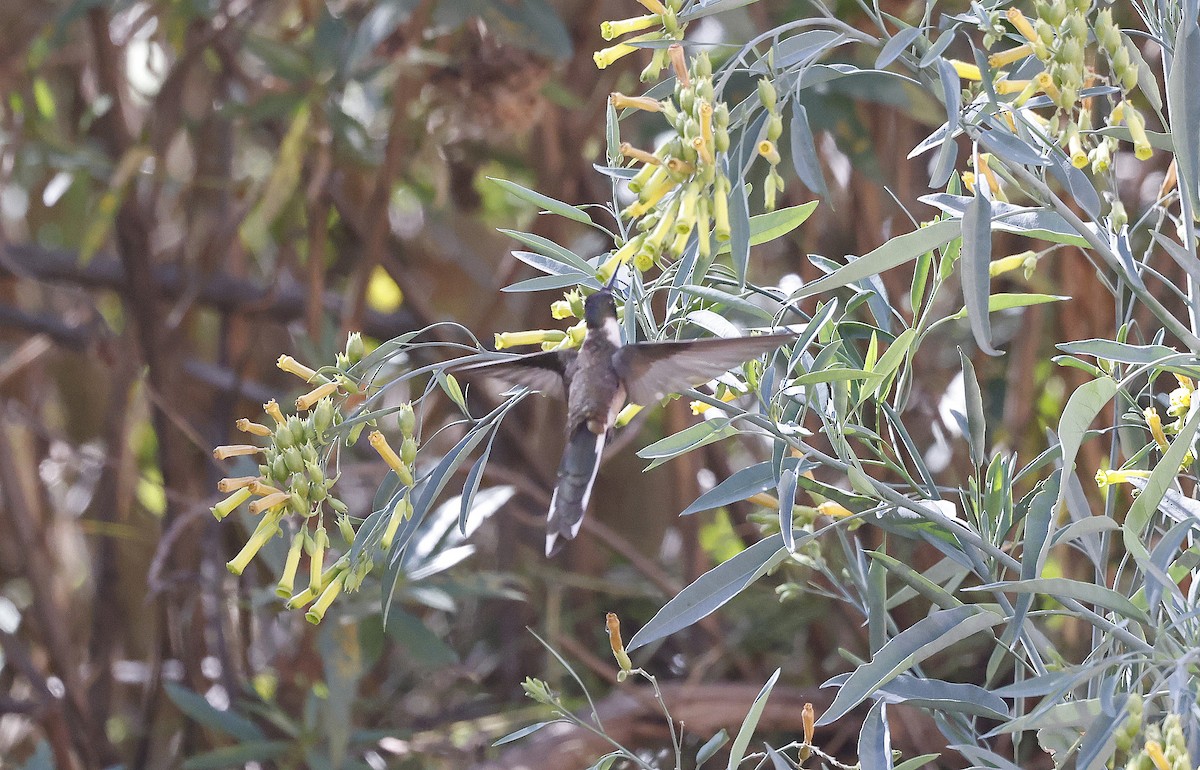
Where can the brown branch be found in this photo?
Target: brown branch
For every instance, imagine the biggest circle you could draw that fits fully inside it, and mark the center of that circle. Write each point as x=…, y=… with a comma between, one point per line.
x=282, y=302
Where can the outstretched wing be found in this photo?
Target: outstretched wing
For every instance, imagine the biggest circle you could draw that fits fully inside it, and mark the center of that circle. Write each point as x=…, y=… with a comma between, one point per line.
x=653, y=370
x=547, y=373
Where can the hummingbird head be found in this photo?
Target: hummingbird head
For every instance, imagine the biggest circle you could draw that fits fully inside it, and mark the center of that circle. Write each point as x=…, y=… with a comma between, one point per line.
x=598, y=308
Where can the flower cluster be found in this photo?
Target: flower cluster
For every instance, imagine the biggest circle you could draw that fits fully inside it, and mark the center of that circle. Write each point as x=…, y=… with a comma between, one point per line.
x=1057, y=38
x=662, y=23
x=681, y=187
x=1164, y=746
x=292, y=483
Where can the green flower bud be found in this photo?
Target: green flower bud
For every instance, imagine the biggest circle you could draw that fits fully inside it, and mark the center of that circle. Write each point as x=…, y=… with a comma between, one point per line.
x=338, y=506
x=296, y=427
x=314, y=472
x=355, y=349
x=766, y=94
x=704, y=89
x=407, y=420
x=283, y=437
x=408, y=451
x=774, y=127
x=687, y=99
x=298, y=503
x=279, y=470
x=317, y=492
x=322, y=416
x=702, y=66
x=293, y=459
x=537, y=690
x=355, y=432
x=308, y=453
x=346, y=528
x=721, y=115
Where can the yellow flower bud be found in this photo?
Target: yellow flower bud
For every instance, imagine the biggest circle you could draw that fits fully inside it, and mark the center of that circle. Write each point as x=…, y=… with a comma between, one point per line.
x=834, y=510
x=235, y=450
x=270, y=502
x=1004, y=58
x=1008, y=264
x=966, y=71
x=1137, y=130
x=720, y=203
x=292, y=366
x=1154, y=423
x=308, y=400
x=400, y=513
x=227, y=506
x=380, y=444
x=225, y=486
x=610, y=30
x=620, y=101
x=613, y=624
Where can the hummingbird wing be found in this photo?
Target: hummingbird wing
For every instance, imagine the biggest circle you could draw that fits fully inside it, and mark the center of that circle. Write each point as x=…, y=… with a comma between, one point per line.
x=544, y=372
x=654, y=370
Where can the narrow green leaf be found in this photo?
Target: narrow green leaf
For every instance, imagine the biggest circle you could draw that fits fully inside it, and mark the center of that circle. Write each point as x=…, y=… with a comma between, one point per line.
x=1081, y=409
x=542, y=201
x=976, y=423
x=712, y=590
x=804, y=152
x=517, y=735
x=895, y=252
x=976, y=257
x=1183, y=104
x=875, y=739
x=738, y=750
x=899, y=43
x=765, y=228
x=198, y=708
x=1091, y=593
x=711, y=746
x=924, y=638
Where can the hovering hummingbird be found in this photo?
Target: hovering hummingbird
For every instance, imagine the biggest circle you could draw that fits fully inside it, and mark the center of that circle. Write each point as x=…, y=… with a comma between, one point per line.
x=597, y=380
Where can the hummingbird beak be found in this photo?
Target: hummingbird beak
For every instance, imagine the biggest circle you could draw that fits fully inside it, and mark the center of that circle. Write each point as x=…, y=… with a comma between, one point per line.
x=612, y=281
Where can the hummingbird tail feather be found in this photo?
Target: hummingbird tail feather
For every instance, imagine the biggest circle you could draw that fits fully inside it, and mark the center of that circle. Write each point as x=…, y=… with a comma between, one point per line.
x=576, y=475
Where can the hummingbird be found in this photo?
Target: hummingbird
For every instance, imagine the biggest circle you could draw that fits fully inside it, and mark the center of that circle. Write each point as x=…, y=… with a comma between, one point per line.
x=598, y=379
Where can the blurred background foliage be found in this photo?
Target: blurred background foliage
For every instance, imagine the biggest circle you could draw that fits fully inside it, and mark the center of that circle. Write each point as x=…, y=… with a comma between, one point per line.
x=189, y=188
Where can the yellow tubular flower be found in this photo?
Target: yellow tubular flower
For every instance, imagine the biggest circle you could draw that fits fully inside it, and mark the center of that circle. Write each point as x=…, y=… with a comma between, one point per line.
x=292, y=366
x=768, y=151
x=703, y=228
x=706, y=115
x=765, y=500
x=1004, y=58
x=610, y=30
x=1185, y=382
x=1005, y=87
x=649, y=198
x=265, y=530
x=272, y=409
x=227, y=506
x=235, y=450
x=1046, y=84
x=627, y=413
x=1106, y=478
x=253, y=428
x=1155, y=752
x=605, y=57
x=1079, y=158
x=834, y=510
x=1137, y=129
x=620, y=101
x=532, y=337
x=258, y=487
x=703, y=149
x=234, y=483
x=1008, y=264
x=966, y=71
x=271, y=501
x=560, y=310
x=399, y=514
x=284, y=589
x=380, y=444
x=316, y=558
x=317, y=613
x=681, y=168
x=1022, y=25
x=993, y=181
x=720, y=202
x=1154, y=422
x=309, y=400
x=629, y=151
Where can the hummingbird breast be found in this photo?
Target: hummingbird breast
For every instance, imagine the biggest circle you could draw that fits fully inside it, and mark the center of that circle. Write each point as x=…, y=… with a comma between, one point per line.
x=596, y=393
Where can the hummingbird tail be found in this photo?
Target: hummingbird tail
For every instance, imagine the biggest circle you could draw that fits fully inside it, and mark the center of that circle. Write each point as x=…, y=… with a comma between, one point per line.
x=576, y=475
